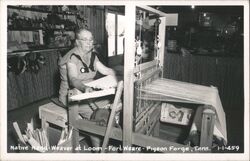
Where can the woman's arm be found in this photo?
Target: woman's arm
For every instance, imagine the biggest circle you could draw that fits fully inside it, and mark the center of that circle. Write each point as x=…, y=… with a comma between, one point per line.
x=103, y=69
x=76, y=83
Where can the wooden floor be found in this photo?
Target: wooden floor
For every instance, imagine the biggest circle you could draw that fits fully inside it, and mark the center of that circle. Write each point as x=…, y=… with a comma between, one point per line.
x=23, y=115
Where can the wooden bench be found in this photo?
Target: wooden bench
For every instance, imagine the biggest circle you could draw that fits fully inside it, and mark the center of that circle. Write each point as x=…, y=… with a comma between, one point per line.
x=52, y=113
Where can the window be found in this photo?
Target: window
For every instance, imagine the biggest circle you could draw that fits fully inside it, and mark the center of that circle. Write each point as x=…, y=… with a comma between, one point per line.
x=115, y=26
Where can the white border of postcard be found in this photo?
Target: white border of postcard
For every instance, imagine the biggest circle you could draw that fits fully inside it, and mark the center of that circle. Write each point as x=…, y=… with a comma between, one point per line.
x=52, y=156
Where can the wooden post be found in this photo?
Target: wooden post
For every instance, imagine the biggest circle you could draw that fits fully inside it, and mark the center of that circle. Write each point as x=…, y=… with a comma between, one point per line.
x=112, y=116
x=129, y=59
x=73, y=116
x=162, y=31
x=156, y=132
x=207, y=127
x=45, y=126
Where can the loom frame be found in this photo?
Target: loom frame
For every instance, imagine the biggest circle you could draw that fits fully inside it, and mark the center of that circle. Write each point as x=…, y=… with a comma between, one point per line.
x=130, y=137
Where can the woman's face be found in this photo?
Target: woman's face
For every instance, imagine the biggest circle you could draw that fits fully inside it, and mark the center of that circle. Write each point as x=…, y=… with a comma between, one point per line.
x=85, y=41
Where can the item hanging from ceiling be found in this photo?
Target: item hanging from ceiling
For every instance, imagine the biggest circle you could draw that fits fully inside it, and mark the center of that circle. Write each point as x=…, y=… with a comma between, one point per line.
x=81, y=17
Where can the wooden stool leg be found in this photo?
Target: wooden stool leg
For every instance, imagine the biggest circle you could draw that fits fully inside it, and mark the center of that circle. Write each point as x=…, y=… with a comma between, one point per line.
x=45, y=126
x=207, y=128
x=112, y=116
x=156, y=132
x=73, y=113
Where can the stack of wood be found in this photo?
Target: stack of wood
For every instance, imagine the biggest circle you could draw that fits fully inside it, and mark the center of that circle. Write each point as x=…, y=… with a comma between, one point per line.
x=36, y=138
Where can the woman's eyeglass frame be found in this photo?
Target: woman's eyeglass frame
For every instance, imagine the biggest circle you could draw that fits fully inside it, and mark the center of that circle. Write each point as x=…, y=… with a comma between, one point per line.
x=87, y=40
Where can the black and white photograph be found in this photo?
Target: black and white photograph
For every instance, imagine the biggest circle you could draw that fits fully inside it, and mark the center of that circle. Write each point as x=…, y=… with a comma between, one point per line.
x=129, y=80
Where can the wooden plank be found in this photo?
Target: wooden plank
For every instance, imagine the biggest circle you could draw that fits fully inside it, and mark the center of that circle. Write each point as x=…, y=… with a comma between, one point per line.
x=155, y=97
x=93, y=94
x=21, y=52
x=92, y=127
x=149, y=141
x=35, y=144
x=45, y=126
x=156, y=131
x=207, y=128
x=73, y=114
x=130, y=12
x=112, y=116
x=152, y=10
x=137, y=139
x=145, y=66
x=18, y=131
x=107, y=84
x=116, y=34
x=162, y=31
x=157, y=71
x=53, y=113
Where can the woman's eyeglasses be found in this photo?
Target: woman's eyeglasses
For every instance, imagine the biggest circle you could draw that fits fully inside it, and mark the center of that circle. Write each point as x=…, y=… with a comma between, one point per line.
x=87, y=40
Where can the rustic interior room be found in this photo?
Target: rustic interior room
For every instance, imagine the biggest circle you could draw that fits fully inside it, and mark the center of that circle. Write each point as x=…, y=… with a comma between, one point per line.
x=178, y=84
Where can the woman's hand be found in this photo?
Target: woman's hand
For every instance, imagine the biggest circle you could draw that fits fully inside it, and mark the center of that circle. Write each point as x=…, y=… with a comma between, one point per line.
x=88, y=89
x=104, y=70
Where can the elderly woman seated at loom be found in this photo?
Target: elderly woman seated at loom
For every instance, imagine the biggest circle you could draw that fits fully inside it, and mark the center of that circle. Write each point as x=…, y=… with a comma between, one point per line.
x=78, y=67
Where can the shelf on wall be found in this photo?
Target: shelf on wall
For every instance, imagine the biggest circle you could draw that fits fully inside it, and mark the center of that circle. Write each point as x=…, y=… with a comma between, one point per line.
x=36, y=28
x=23, y=52
x=25, y=28
x=36, y=10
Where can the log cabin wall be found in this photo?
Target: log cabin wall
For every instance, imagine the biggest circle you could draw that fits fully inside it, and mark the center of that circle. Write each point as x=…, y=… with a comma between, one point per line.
x=226, y=73
x=26, y=88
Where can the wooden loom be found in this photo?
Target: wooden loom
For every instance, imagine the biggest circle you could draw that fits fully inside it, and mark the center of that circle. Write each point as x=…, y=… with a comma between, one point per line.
x=146, y=113
x=141, y=108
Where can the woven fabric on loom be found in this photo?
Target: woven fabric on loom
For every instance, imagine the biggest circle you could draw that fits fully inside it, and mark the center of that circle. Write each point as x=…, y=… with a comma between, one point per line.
x=176, y=91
